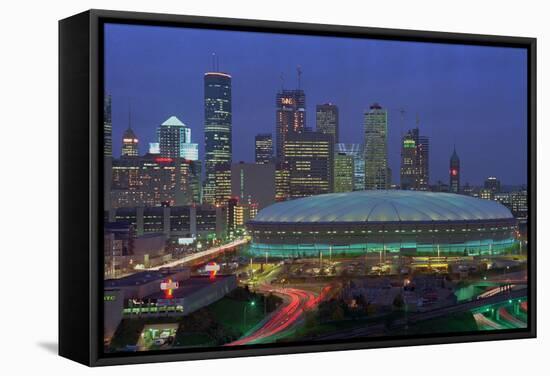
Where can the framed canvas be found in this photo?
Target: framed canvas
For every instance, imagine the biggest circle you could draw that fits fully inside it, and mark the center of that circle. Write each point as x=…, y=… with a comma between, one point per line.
x=239, y=187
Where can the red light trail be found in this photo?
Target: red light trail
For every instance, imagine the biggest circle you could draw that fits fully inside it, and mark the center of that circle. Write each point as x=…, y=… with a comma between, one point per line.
x=298, y=301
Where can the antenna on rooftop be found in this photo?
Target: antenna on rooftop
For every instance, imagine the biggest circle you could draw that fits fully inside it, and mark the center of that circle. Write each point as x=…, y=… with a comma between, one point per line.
x=282, y=78
x=299, y=71
x=402, y=113
x=129, y=115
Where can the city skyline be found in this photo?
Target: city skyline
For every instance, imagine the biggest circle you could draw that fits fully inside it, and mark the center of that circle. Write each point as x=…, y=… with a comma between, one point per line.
x=263, y=211
x=483, y=112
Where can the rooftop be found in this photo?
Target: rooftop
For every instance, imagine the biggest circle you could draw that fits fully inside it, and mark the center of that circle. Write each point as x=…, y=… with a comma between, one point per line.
x=191, y=286
x=173, y=122
x=383, y=206
x=140, y=278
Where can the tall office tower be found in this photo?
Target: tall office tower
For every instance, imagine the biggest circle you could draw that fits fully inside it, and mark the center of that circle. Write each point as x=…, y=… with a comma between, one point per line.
x=327, y=120
x=343, y=172
x=492, y=184
x=232, y=214
x=376, y=148
x=414, y=170
x=195, y=176
x=282, y=177
x=263, y=148
x=310, y=160
x=130, y=143
x=107, y=126
x=409, y=165
x=174, y=139
x=217, y=137
x=454, y=173
x=291, y=117
x=423, y=146
x=357, y=151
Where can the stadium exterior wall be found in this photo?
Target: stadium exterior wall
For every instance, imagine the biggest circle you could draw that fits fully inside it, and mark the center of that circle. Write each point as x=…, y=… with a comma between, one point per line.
x=495, y=234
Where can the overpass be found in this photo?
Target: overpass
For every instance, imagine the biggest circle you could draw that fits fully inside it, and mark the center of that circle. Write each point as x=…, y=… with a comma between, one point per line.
x=211, y=252
x=379, y=329
x=519, y=292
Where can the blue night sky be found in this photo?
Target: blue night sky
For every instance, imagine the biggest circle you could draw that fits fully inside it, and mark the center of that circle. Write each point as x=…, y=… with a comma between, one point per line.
x=469, y=96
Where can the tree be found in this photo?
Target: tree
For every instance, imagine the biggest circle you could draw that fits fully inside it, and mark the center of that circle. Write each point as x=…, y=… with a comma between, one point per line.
x=398, y=301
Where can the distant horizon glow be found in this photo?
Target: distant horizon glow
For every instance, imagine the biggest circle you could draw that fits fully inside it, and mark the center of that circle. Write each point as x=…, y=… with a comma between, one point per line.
x=471, y=97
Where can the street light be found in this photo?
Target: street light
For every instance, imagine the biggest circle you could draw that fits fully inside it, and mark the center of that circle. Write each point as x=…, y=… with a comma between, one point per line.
x=252, y=304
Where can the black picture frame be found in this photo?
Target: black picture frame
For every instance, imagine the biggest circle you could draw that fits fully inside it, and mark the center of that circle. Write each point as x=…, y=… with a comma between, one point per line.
x=80, y=183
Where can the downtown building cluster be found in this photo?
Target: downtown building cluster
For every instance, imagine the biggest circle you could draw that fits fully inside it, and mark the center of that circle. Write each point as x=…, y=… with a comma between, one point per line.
x=219, y=195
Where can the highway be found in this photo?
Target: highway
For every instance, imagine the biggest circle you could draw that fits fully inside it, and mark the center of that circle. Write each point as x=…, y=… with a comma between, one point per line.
x=512, y=320
x=296, y=302
x=486, y=324
x=199, y=255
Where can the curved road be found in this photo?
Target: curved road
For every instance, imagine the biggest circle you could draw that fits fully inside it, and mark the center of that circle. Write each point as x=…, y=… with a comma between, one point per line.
x=297, y=301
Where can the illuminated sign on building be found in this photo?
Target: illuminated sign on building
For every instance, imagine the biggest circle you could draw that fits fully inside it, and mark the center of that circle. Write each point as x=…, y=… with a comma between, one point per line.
x=185, y=241
x=212, y=268
x=168, y=287
x=163, y=160
x=287, y=101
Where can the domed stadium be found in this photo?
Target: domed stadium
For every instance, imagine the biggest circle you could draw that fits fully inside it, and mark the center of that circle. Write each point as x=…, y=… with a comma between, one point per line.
x=410, y=222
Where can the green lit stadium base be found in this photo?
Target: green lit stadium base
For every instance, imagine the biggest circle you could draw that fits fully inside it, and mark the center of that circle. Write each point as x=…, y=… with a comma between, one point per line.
x=478, y=248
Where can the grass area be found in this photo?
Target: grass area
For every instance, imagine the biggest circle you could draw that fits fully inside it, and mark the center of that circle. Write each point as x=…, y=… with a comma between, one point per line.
x=230, y=313
x=461, y=322
x=458, y=322
x=313, y=328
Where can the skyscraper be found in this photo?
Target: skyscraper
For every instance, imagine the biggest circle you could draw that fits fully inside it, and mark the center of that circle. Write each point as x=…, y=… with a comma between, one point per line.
x=130, y=143
x=358, y=154
x=327, y=120
x=217, y=137
x=310, y=160
x=454, y=173
x=282, y=177
x=492, y=184
x=107, y=126
x=291, y=117
x=414, y=170
x=376, y=148
x=343, y=172
x=174, y=139
x=263, y=148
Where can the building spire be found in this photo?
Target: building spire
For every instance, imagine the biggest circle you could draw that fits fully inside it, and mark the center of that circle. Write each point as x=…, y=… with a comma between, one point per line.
x=215, y=62
x=455, y=155
x=129, y=116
